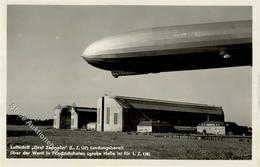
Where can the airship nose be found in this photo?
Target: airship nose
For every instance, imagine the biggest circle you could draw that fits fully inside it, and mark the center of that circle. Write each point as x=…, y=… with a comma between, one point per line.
x=89, y=54
x=93, y=50
x=92, y=55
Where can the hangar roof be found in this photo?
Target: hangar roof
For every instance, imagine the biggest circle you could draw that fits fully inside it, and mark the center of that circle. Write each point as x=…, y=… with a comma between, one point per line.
x=152, y=104
x=85, y=109
x=77, y=109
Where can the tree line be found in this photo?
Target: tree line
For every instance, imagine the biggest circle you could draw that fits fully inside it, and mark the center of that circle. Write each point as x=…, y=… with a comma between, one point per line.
x=16, y=120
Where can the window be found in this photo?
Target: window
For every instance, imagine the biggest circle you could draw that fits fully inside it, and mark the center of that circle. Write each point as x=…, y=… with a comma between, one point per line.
x=98, y=116
x=72, y=122
x=108, y=115
x=115, y=118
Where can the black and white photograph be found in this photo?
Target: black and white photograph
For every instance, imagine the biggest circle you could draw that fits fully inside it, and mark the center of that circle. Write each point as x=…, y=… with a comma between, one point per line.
x=120, y=82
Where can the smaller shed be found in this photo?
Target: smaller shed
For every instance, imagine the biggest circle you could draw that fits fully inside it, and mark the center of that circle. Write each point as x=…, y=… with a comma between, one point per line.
x=92, y=126
x=145, y=126
x=211, y=127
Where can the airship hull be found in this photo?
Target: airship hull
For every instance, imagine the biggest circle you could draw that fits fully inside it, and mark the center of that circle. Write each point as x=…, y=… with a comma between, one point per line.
x=189, y=47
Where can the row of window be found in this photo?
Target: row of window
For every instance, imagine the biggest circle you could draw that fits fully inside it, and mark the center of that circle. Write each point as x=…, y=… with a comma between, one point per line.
x=211, y=124
x=72, y=122
x=108, y=117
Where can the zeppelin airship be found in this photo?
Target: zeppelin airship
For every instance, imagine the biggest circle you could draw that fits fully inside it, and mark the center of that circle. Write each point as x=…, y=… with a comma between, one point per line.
x=174, y=48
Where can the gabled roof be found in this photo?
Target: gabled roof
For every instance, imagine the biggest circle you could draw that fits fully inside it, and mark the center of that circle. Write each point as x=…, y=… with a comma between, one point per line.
x=145, y=123
x=152, y=104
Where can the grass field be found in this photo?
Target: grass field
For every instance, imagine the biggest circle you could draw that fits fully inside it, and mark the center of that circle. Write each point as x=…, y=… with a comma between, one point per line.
x=149, y=147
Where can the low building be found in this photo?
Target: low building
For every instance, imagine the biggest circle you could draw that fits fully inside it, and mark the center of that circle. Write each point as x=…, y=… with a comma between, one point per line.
x=120, y=113
x=212, y=127
x=73, y=117
x=92, y=126
x=145, y=126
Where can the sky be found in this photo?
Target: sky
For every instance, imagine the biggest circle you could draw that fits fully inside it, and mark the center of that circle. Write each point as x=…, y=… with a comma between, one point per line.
x=44, y=67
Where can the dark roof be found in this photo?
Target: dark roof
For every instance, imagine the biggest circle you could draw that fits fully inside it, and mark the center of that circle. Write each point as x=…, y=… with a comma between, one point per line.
x=145, y=123
x=152, y=104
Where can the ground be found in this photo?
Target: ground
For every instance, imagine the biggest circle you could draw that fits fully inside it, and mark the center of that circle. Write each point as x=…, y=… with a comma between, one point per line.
x=134, y=146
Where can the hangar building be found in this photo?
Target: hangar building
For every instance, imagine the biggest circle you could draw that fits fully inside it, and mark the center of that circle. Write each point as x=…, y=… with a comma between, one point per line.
x=119, y=113
x=72, y=117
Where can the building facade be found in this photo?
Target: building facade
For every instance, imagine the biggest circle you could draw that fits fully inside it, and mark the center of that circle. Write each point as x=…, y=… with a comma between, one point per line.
x=119, y=113
x=72, y=117
x=109, y=115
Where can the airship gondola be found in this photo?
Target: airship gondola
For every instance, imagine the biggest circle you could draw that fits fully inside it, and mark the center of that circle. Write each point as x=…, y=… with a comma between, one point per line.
x=174, y=48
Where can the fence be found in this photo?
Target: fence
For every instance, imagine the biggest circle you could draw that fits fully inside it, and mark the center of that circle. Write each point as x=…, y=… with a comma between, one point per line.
x=201, y=137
